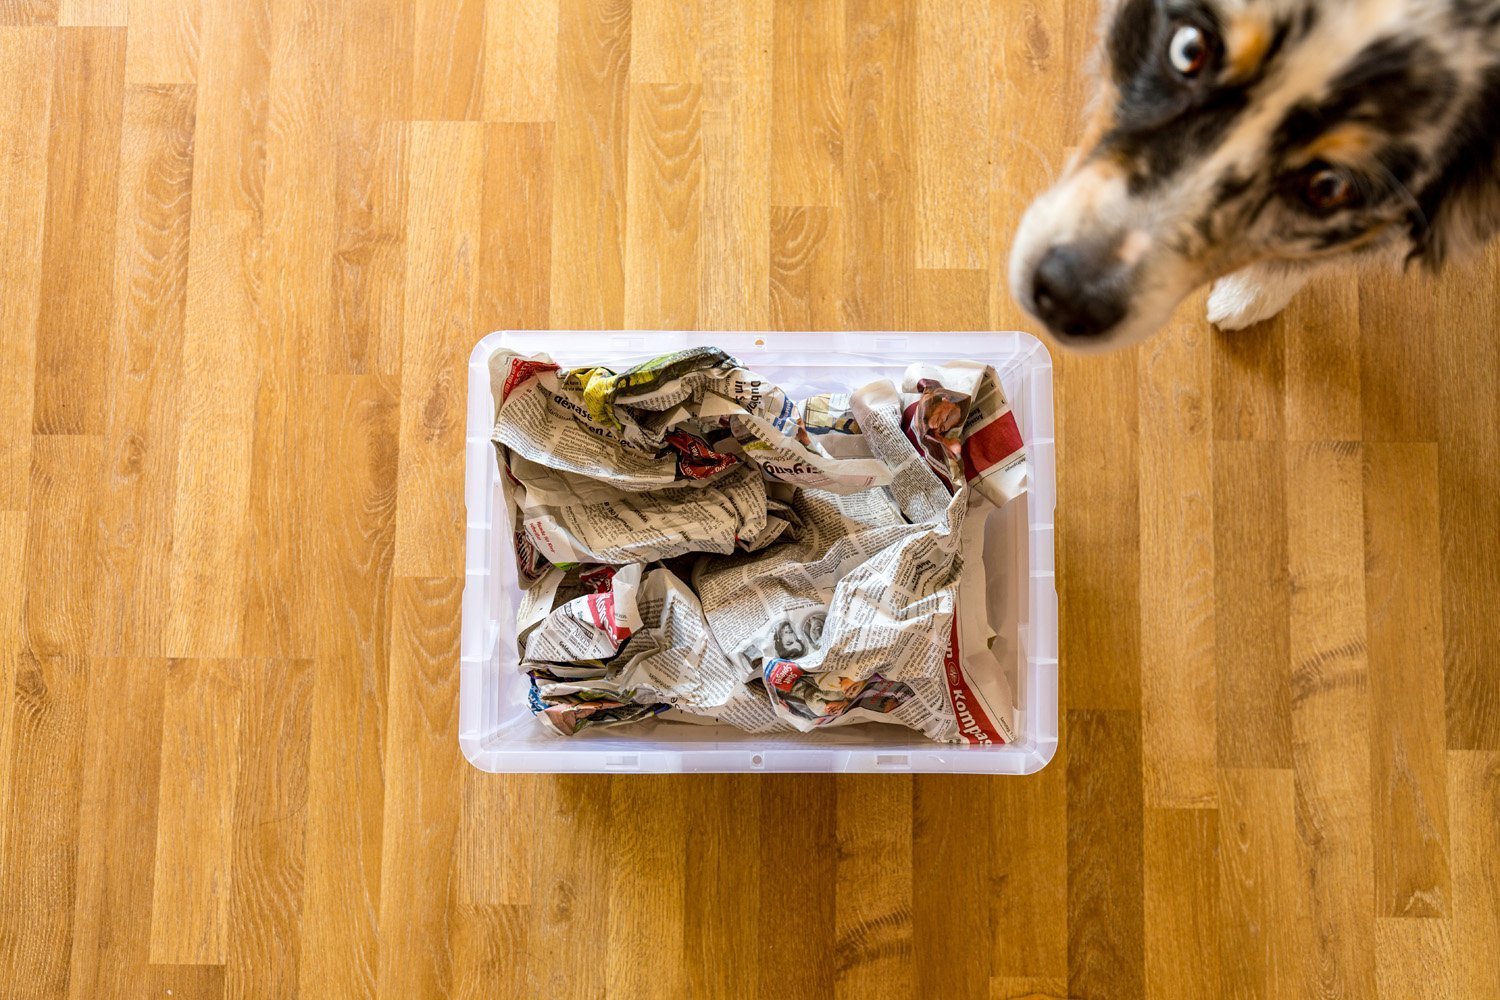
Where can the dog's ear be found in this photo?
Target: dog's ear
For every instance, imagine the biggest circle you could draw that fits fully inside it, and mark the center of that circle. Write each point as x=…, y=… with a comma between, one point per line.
x=1465, y=221
x=1460, y=210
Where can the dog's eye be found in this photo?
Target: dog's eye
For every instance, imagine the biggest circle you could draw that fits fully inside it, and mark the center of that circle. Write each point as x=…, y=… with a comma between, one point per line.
x=1328, y=188
x=1188, y=50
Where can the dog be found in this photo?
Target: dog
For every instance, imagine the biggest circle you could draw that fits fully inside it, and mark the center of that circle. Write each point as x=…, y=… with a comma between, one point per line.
x=1257, y=142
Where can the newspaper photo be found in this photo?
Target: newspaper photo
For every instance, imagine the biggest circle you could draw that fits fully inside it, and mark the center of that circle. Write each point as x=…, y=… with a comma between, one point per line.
x=696, y=546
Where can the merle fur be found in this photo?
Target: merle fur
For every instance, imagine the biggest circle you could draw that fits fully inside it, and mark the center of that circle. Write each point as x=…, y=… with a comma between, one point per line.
x=1443, y=194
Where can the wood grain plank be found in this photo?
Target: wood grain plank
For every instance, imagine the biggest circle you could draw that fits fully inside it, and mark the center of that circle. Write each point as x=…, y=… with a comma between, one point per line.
x=873, y=954
x=300, y=208
x=1320, y=329
x=92, y=13
x=12, y=644
x=520, y=60
x=83, y=156
x=229, y=142
x=1178, y=623
x=447, y=169
x=1415, y=959
x=447, y=60
x=1028, y=873
x=952, y=937
x=1474, y=811
x=497, y=856
x=48, y=676
x=300, y=241
x=201, y=718
x=279, y=556
x=646, y=951
x=951, y=299
x=592, y=141
x=1404, y=628
x=217, y=413
x=164, y=41
x=1105, y=895
x=953, y=135
x=722, y=893
x=1099, y=531
x=1262, y=916
x=369, y=262
x=1181, y=880
x=663, y=207
x=26, y=58
x=808, y=92
x=734, y=271
x=1467, y=387
x=1249, y=383
x=1331, y=712
x=38, y=866
x=270, y=829
x=117, y=828
x=491, y=951
x=665, y=41
x=144, y=365
x=183, y=982
x=423, y=795
x=28, y=13
x=355, y=544
x=806, y=268
x=568, y=903
x=1396, y=398
x=1251, y=593
x=515, y=274
x=62, y=544
x=879, y=187
x=377, y=79
x=798, y=817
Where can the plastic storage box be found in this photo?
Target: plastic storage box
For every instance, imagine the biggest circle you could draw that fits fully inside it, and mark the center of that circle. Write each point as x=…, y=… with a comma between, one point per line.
x=496, y=729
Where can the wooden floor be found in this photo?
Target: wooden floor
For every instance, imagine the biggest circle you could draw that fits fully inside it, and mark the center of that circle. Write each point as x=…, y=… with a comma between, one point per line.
x=247, y=246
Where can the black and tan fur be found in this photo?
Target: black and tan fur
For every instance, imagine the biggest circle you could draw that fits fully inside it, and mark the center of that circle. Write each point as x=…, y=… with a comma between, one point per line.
x=1185, y=180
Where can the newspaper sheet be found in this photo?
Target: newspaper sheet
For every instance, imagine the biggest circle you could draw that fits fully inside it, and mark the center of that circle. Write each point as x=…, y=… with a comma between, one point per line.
x=696, y=545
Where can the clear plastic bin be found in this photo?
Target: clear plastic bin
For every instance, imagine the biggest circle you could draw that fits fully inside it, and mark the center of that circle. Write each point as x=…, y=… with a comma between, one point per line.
x=497, y=730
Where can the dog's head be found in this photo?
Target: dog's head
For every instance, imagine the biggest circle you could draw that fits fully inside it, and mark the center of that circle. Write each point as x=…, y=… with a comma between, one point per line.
x=1228, y=132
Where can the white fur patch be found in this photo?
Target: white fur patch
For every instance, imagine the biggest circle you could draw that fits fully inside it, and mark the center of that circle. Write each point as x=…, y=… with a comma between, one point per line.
x=1253, y=294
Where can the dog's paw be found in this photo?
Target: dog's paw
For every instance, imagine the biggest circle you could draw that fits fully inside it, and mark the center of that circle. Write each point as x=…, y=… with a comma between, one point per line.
x=1243, y=299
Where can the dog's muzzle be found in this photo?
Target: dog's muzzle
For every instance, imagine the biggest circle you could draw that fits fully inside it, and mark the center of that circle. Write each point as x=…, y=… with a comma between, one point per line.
x=1080, y=290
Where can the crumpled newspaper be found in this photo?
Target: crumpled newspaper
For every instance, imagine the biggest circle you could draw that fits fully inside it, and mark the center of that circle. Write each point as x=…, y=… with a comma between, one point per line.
x=697, y=546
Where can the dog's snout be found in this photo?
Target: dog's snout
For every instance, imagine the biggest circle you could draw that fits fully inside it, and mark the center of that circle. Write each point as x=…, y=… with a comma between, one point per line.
x=1079, y=290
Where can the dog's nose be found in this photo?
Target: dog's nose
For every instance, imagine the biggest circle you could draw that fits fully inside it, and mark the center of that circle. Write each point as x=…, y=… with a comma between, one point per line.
x=1077, y=290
